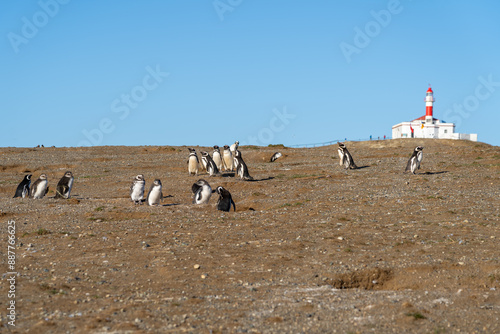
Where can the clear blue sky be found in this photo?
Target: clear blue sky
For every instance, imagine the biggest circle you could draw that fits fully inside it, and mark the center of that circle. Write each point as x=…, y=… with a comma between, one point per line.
x=262, y=72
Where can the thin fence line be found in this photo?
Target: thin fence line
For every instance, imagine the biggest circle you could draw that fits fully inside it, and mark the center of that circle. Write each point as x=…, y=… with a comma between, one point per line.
x=332, y=142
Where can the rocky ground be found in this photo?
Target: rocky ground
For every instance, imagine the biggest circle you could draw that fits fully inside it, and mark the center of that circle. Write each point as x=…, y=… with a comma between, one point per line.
x=311, y=248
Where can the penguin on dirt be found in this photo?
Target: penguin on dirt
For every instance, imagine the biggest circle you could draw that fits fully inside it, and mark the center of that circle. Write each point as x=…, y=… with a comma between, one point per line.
x=346, y=159
x=64, y=186
x=23, y=189
x=193, y=162
x=202, y=192
x=414, y=162
x=225, y=200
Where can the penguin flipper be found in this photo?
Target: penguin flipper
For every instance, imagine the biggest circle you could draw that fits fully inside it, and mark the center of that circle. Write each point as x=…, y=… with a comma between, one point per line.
x=408, y=165
x=234, y=205
x=195, y=188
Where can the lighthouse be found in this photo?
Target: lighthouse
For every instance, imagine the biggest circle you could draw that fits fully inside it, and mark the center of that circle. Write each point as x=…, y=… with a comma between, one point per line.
x=429, y=101
x=427, y=126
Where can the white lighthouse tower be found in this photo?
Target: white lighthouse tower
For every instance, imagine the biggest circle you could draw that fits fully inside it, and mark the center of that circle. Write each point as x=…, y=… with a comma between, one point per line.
x=427, y=126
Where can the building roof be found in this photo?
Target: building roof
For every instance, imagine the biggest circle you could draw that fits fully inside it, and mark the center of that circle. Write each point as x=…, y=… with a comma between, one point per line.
x=423, y=119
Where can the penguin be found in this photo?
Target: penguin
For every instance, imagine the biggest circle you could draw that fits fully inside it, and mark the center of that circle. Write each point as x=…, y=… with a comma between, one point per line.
x=225, y=200
x=211, y=166
x=345, y=157
x=202, y=192
x=276, y=156
x=137, y=189
x=415, y=159
x=39, y=187
x=216, y=157
x=155, y=195
x=193, y=162
x=23, y=189
x=63, y=188
x=234, y=147
x=227, y=159
x=241, y=167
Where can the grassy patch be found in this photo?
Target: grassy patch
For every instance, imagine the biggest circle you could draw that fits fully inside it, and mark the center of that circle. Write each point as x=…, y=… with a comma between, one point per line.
x=99, y=208
x=276, y=145
x=416, y=315
x=42, y=231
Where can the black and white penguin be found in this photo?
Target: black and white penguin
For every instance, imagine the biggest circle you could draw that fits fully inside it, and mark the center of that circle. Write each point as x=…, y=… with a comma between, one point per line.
x=217, y=158
x=63, y=188
x=346, y=159
x=415, y=159
x=23, y=189
x=155, y=194
x=137, y=189
x=225, y=200
x=210, y=164
x=276, y=156
x=193, y=162
x=202, y=192
x=241, y=167
x=227, y=159
x=39, y=187
x=234, y=147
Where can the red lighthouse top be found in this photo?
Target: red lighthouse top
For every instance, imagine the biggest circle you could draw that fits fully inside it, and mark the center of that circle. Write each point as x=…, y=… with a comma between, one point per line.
x=430, y=90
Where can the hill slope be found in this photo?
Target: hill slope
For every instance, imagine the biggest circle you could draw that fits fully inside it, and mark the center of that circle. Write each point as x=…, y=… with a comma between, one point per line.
x=311, y=247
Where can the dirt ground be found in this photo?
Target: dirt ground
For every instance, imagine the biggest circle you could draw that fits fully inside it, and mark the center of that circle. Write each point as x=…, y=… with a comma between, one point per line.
x=311, y=248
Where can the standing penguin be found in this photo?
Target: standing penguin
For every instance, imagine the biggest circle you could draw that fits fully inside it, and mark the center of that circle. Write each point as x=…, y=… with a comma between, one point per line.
x=345, y=157
x=216, y=157
x=276, y=156
x=137, y=189
x=63, y=188
x=234, y=147
x=193, y=162
x=202, y=192
x=241, y=167
x=225, y=200
x=155, y=194
x=227, y=159
x=39, y=187
x=211, y=167
x=415, y=159
x=23, y=189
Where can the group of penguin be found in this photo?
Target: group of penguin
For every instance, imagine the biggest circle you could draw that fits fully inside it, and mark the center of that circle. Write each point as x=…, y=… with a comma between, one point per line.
x=40, y=187
x=231, y=158
x=202, y=191
x=347, y=161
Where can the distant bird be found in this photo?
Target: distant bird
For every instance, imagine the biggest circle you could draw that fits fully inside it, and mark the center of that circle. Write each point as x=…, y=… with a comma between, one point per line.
x=346, y=159
x=276, y=156
x=155, y=194
x=225, y=200
x=202, y=192
x=39, y=187
x=217, y=158
x=241, y=167
x=211, y=167
x=137, y=189
x=193, y=162
x=63, y=188
x=227, y=159
x=234, y=147
x=415, y=159
x=23, y=189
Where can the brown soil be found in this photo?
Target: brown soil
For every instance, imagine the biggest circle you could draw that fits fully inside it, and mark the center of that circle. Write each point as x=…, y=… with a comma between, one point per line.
x=311, y=247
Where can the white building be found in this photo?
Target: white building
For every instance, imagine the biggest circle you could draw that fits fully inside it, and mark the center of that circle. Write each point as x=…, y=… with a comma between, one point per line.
x=429, y=127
